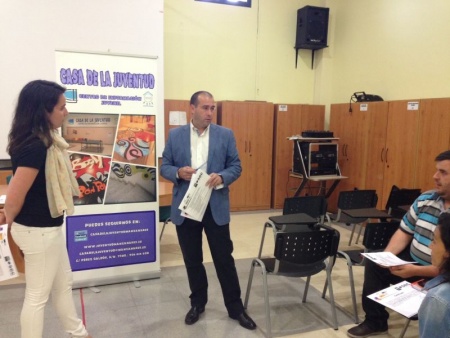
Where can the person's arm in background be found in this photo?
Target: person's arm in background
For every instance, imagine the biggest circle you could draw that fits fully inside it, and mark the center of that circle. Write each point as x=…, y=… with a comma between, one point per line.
x=17, y=190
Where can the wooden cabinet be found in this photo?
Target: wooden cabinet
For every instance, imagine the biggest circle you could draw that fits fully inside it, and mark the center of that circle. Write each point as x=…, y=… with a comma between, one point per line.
x=393, y=143
x=290, y=119
x=252, y=124
x=401, y=147
x=361, y=134
x=433, y=138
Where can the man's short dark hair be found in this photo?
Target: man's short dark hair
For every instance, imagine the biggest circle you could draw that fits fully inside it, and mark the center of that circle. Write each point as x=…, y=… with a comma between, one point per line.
x=443, y=156
x=194, y=97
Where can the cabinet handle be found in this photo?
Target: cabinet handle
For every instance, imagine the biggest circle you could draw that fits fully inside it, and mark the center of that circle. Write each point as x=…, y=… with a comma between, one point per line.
x=387, y=149
x=250, y=147
x=346, y=149
x=382, y=151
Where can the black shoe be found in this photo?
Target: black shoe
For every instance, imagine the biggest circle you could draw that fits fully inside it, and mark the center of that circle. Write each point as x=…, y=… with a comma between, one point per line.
x=193, y=315
x=363, y=330
x=245, y=321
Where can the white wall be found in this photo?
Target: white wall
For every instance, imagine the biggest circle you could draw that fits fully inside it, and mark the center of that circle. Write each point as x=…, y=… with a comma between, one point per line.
x=236, y=53
x=31, y=31
x=397, y=49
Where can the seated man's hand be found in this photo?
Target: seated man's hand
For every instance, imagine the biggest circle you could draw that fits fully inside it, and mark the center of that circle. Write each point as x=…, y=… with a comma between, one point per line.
x=404, y=271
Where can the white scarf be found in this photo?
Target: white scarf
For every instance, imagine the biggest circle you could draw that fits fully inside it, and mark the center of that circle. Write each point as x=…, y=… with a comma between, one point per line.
x=60, y=181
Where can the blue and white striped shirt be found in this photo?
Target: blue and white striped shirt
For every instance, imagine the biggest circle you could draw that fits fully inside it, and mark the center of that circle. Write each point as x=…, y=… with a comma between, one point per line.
x=420, y=222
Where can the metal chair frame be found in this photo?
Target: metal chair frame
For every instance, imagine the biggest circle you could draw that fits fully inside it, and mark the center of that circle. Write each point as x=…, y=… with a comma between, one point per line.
x=298, y=254
x=376, y=238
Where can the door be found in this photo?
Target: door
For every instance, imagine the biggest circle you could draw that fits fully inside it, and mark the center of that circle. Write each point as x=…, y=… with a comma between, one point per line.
x=401, y=146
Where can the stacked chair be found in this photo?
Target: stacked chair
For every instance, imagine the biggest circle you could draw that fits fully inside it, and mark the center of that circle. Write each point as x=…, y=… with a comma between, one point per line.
x=353, y=199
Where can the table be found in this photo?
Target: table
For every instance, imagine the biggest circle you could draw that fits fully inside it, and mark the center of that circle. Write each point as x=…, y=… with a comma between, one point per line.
x=367, y=213
x=92, y=145
x=323, y=181
x=165, y=193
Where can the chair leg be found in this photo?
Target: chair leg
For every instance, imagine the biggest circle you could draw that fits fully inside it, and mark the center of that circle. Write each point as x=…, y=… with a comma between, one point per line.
x=266, y=293
x=405, y=327
x=332, y=304
x=267, y=304
x=351, y=235
x=361, y=226
x=262, y=239
x=305, y=292
x=250, y=280
x=352, y=290
x=163, y=227
x=325, y=287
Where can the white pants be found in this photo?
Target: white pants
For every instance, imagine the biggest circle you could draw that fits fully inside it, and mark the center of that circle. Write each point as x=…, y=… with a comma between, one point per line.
x=47, y=269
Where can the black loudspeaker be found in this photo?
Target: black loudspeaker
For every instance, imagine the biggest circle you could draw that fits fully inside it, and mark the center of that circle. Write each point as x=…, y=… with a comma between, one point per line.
x=312, y=27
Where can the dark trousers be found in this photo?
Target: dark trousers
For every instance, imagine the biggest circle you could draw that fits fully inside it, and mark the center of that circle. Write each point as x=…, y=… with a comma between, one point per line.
x=377, y=278
x=221, y=247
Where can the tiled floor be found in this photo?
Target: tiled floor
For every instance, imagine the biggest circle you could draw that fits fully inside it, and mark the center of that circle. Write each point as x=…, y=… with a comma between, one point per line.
x=157, y=308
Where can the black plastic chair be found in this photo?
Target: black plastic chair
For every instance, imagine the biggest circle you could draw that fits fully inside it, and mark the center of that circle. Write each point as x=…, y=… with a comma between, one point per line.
x=298, y=254
x=164, y=217
x=354, y=199
x=376, y=238
x=400, y=197
x=314, y=206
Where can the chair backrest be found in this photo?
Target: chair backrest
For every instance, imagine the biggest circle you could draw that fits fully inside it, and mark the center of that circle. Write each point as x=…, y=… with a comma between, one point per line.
x=357, y=199
x=314, y=206
x=399, y=197
x=307, y=247
x=378, y=235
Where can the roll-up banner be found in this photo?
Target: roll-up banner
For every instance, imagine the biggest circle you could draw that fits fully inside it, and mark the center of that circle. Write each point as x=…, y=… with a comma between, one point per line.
x=111, y=131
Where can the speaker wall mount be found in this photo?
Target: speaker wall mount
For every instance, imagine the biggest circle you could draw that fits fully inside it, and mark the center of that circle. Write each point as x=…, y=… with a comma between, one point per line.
x=312, y=30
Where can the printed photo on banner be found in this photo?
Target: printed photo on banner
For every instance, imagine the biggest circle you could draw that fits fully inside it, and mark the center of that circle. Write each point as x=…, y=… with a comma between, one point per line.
x=91, y=173
x=131, y=184
x=135, y=140
x=90, y=133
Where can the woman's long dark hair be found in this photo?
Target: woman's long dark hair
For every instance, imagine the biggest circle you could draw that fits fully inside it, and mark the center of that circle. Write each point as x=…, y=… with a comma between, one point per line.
x=36, y=100
x=444, y=227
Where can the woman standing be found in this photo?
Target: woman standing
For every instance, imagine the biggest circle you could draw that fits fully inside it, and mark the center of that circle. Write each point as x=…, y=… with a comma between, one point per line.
x=434, y=313
x=39, y=192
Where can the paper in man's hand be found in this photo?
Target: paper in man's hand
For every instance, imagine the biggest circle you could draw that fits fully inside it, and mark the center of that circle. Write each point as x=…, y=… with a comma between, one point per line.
x=197, y=197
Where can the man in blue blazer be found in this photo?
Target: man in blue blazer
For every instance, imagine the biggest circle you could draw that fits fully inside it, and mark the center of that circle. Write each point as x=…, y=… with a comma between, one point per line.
x=212, y=148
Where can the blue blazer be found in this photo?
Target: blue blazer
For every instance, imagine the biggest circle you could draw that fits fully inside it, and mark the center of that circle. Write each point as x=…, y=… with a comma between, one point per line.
x=223, y=159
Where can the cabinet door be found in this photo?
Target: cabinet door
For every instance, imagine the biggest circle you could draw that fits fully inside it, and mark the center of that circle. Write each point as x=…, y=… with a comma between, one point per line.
x=433, y=138
x=375, y=145
x=350, y=128
x=233, y=115
x=401, y=146
x=291, y=121
x=258, y=164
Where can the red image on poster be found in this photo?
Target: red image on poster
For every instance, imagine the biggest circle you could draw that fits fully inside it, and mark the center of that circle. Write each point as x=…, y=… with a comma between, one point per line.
x=92, y=173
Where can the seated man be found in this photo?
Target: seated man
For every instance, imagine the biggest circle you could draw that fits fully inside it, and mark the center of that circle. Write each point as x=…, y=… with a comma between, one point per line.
x=411, y=242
